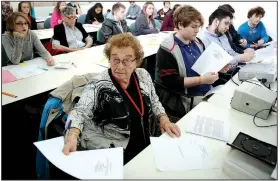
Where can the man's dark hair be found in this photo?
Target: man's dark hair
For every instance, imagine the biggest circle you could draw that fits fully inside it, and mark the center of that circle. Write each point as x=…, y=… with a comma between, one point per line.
x=220, y=14
x=227, y=7
x=175, y=7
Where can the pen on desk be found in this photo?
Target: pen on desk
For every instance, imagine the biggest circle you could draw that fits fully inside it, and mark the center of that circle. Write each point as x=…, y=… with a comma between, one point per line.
x=8, y=94
x=74, y=65
x=181, y=151
x=43, y=68
x=67, y=131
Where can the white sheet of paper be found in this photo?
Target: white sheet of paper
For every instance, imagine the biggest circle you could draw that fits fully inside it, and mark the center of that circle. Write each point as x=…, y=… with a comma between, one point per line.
x=213, y=59
x=264, y=55
x=63, y=61
x=91, y=164
x=216, y=90
x=274, y=173
x=22, y=72
x=185, y=153
x=209, y=127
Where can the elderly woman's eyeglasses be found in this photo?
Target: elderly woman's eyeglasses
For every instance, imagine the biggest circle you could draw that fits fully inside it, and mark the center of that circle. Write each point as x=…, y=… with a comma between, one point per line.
x=125, y=62
x=71, y=17
x=21, y=24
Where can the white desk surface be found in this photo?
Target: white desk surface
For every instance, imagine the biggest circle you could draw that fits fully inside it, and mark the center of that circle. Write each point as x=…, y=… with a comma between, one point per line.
x=223, y=97
x=86, y=61
x=239, y=122
x=48, y=33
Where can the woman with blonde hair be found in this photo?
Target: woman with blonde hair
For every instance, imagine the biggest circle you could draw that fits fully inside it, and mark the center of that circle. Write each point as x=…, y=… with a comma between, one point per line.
x=19, y=42
x=25, y=7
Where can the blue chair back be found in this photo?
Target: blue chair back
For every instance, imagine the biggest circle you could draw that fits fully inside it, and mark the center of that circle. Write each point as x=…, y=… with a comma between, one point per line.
x=158, y=24
x=47, y=23
x=82, y=18
x=132, y=28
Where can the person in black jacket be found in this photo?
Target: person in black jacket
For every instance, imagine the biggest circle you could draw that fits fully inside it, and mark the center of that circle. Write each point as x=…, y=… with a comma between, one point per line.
x=95, y=14
x=70, y=35
x=237, y=42
x=25, y=7
x=115, y=24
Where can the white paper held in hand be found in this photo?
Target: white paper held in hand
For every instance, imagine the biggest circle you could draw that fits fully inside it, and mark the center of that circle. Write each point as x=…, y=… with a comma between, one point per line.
x=209, y=127
x=213, y=59
x=91, y=164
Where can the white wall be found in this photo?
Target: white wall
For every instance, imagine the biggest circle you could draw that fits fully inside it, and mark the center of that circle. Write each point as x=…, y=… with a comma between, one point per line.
x=205, y=8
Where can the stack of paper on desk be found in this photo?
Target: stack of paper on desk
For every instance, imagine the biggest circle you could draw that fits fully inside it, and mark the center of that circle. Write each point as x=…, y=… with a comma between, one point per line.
x=22, y=72
x=264, y=56
x=92, y=164
x=184, y=153
x=213, y=59
x=209, y=127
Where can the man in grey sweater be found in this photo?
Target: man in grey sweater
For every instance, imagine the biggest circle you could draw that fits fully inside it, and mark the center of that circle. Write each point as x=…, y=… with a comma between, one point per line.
x=133, y=11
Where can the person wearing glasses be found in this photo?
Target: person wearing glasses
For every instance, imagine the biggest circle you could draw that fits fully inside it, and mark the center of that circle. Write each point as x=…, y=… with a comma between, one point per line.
x=119, y=107
x=19, y=42
x=70, y=35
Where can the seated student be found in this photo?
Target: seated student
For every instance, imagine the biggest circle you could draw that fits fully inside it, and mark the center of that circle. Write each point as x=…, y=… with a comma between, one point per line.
x=112, y=111
x=237, y=42
x=115, y=24
x=167, y=24
x=25, y=7
x=133, y=11
x=145, y=23
x=254, y=30
x=219, y=22
x=95, y=14
x=76, y=6
x=7, y=10
x=70, y=35
x=175, y=57
x=56, y=16
x=107, y=13
x=19, y=42
x=163, y=11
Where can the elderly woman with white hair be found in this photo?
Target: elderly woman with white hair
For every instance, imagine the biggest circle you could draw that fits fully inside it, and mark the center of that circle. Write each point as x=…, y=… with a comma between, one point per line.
x=70, y=35
x=119, y=107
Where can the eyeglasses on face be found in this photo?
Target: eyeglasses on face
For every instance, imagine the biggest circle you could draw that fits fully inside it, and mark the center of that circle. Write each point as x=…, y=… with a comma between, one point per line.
x=71, y=17
x=21, y=24
x=125, y=62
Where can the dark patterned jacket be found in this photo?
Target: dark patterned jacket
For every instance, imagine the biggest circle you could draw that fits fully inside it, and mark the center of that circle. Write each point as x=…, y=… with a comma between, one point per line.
x=102, y=115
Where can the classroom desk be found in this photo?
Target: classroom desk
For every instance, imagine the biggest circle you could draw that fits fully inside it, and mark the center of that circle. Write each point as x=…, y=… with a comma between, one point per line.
x=239, y=122
x=86, y=61
x=48, y=33
x=49, y=80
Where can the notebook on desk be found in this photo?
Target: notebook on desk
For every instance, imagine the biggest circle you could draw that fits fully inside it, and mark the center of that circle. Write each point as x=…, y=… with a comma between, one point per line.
x=63, y=64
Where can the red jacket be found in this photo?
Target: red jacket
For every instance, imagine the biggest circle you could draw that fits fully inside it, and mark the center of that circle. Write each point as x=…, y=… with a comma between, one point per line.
x=167, y=24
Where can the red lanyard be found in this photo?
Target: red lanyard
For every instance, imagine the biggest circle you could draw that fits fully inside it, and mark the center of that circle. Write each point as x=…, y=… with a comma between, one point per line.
x=130, y=98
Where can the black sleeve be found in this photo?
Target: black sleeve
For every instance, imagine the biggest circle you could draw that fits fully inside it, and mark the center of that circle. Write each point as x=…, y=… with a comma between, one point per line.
x=235, y=35
x=82, y=29
x=101, y=19
x=167, y=68
x=57, y=33
x=33, y=24
x=88, y=17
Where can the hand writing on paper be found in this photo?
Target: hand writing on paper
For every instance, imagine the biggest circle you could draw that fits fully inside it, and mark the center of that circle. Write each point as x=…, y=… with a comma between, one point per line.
x=70, y=144
x=171, y=128
x=260, y=42
x=103, y=167
x=248, y=50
